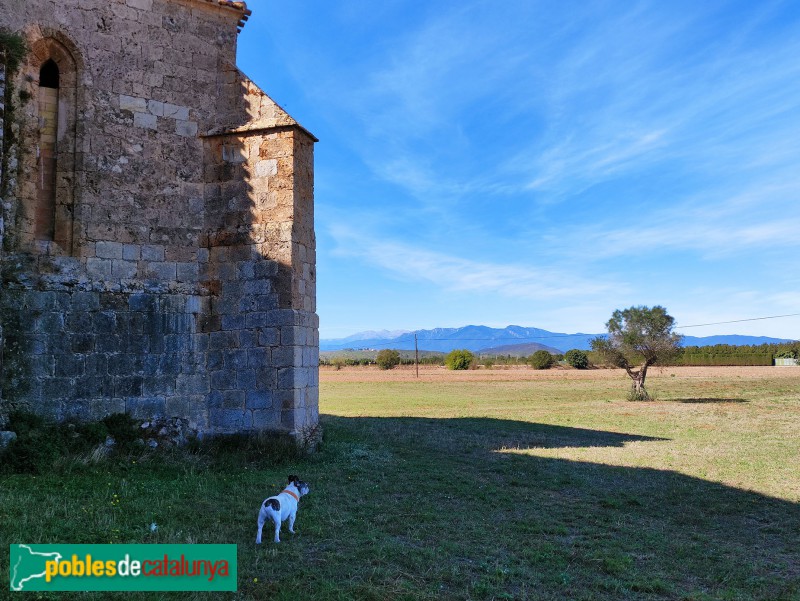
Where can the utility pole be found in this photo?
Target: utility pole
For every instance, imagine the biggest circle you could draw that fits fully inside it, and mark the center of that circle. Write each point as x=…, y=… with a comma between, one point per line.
x=416, y=354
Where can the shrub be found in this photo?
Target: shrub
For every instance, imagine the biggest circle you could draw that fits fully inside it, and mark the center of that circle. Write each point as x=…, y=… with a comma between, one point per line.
x=459, y=359
x=34, y=452
x=388, y=359
x=541, y=360
x=577, y=359
x=23, y=422
x=123, y=429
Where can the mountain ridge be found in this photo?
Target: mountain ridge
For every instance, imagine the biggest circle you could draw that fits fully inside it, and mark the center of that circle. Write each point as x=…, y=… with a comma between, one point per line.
x=477, y=338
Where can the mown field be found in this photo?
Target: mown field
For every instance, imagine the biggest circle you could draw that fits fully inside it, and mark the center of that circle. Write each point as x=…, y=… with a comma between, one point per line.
x=496, y=484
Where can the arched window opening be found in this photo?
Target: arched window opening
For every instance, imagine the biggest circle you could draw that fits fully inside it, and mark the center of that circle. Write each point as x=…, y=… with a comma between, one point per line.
x=48, y=75
x=44, y=219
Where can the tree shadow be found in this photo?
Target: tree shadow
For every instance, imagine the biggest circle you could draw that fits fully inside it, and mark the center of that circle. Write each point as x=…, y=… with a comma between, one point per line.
x=700, y=400
x=552, y=528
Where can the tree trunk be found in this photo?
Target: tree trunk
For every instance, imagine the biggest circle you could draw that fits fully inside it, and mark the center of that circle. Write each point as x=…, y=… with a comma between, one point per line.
x=638, y=391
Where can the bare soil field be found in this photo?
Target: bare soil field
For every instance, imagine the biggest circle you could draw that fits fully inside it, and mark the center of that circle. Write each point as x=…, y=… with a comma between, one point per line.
x=429, y=373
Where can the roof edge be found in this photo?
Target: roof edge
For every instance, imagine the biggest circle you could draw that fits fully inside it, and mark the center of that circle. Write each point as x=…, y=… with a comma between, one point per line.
x=244, y=131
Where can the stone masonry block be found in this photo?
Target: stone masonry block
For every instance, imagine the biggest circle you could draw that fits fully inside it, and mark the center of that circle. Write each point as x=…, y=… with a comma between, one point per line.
x=85, y=301
x=235, y=359
x=311, y=356
x=223, y=379
x=128, y=387
x=190, y=407
x=181, y=113
x=256, y=320
x=41, y=301
x=192, y=384
x=233, y=322
x=164, y=271
x=187, y=129
x=265, y=419
x=258, y=399
x=287, y=356
x=98, y=268
x=286, y=378
x=246, y=379
x=49, y=323
x=145, y=120
x=130, y=103
x=194, y=304
x=230, y=420
x=152, y=252
x=155, y=108
x=246, y=270
x=142, y=302
x=248, y=339
x=123, y=269
x=258, y=357
x=267, y=168
x=145, y=407
x=223, y=340
x=293, y=335
x=131, y=252
x=253, y=287
x=140, y=4
x=268, y=336
x=108, y=250
x=188, y=272
x=266, y=378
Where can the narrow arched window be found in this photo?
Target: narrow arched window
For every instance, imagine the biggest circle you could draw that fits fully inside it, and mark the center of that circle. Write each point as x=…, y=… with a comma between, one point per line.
x=44, y=218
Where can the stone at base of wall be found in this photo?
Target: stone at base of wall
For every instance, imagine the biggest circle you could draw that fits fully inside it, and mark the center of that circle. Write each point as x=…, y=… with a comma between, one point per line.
x=6, y=438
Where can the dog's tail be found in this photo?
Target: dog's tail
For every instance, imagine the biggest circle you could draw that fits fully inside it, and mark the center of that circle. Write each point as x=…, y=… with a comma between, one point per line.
x=273, y=503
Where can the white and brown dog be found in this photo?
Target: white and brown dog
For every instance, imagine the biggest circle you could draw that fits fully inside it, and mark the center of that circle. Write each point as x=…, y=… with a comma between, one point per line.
x=282, y=507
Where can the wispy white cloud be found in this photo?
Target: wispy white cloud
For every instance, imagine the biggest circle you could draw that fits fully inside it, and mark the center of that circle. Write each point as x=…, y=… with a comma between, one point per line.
x=730, y=223
x=410, y=263
x=637, y=111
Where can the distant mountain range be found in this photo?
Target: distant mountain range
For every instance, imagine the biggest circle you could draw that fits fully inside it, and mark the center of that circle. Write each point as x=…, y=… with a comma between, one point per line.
x=486, y=339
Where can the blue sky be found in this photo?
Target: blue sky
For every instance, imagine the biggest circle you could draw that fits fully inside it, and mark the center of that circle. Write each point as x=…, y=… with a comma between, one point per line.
x=543, y=163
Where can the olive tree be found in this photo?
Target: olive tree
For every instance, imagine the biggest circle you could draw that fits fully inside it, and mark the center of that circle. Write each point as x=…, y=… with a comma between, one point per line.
x=637, y=338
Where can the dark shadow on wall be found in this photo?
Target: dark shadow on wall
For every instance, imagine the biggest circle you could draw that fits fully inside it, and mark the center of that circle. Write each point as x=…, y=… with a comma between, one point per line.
x=548, y=528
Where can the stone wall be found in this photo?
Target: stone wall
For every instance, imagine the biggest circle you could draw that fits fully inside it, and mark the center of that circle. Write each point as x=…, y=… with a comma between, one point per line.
x=2, y=123
x=180, y=278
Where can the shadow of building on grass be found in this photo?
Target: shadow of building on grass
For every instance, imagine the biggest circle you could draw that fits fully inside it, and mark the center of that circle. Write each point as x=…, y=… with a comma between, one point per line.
x=532, y=527
x=710, y=400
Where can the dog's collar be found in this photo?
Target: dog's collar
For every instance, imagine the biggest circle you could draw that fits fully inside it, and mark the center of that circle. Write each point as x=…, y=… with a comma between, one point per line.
x=289, y=492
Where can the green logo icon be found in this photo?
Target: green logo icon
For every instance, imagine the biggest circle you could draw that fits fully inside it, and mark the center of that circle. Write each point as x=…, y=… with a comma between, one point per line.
x=122, y=567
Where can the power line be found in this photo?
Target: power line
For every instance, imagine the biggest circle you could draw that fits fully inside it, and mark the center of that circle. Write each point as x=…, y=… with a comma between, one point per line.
x=716, y=323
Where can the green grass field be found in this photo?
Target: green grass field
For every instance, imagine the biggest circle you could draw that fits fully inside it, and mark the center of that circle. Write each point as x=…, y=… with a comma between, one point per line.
x=551, y=488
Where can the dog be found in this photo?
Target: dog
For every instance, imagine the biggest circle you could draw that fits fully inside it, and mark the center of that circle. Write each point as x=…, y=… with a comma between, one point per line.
x=282, y=507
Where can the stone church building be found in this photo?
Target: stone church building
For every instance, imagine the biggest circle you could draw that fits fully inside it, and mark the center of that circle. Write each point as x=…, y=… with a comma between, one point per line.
x=157, y=249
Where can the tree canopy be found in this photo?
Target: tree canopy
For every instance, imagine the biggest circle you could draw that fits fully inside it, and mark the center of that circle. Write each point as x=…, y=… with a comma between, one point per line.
x=637, y=338
x=388, y=359
x=459, y=359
